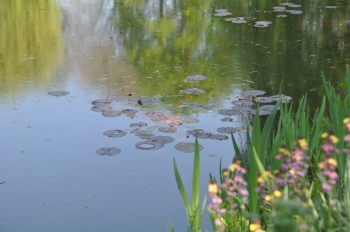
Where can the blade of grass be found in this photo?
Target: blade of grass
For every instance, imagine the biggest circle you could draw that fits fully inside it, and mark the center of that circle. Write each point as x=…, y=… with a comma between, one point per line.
x=182, y=190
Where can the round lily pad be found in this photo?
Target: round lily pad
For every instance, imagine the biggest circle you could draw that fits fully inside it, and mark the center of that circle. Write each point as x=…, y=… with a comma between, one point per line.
x=346, y=22
x=114, y=133
x=263, y=22
x=193, y=91
x=279, y=8
x=196, y=78
x=155, y=116
x=143, y=134
x=101, y=108
x=199, y=133
x=108, y=151
x=100, y=102
x=228, y=112
x=286, y=4
x=281, y=16
x=227, y=119
x=265, y=99
x=294, y=5
x=161, y=139
x=112, y=113
x=254, y=92
x=58, y=93
x=242, y=103
x=187, y=147
x=294, y=11
x=236, y=20
x=139, y=124
x=115, y=98
x=147, y=145
x=284, y=98
x=227, y=130
x=190, y=120
x=129, y=111
x=167, y=129
x=264, y=110
x=148, y=101
x=195, y=105
x=261, y=25
x=331, y=7
x=218, y=137
x=223, y=13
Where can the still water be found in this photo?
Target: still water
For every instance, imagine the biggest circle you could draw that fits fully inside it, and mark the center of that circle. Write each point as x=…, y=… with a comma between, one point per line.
x=51, y=177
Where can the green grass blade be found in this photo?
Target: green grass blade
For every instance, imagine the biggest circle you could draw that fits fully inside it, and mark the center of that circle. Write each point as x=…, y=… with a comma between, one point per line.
x=182, y=190
x=196, y=177
x=258, y=162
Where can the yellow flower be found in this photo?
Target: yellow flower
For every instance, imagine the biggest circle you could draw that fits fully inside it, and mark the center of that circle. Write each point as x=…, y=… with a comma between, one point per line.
x=333, y=162
x=260, y=180
x=334, y=139
x=254, y=227
x=302, y=142
x=292, y=172
x=233, y=167
x=213, y=187
x=282, y=149
x=277, y=193
x=346, y=120
x=268, y=198
x=224, y=172
x=324, y=135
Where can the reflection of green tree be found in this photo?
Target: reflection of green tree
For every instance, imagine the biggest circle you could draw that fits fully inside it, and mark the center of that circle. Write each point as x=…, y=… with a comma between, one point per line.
x=294, y=49
x=168, y=46
x=30, y=43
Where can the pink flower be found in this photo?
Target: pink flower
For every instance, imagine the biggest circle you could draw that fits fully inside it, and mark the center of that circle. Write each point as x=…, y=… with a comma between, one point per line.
x=347, y=138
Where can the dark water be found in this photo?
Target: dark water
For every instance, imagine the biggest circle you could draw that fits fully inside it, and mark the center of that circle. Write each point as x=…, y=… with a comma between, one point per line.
x=93, y=49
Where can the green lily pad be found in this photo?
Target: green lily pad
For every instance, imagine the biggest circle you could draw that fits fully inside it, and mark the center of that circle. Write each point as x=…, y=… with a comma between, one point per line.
x=138, y=124
x=114, y=133
x=101, y=108
x=58, y=93
x=227, y=130
x=187, y=147
x=167, y=129
x=108, y=151
x=161, y=139
x=147, y=145
x=112, y=113
x=254, y=92
x=227, y=119
x=193, y=91
x=196, y=78
x=228, y=112
x=100, y=102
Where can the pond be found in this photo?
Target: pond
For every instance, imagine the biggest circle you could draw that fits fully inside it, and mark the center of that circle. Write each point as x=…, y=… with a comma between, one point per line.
x=99, y=96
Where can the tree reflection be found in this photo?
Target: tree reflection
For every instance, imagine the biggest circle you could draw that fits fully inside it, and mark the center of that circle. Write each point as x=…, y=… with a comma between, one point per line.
x=30, y=43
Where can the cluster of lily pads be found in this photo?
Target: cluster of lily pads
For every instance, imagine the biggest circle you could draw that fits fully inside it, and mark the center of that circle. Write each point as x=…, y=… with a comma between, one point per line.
x=152, y=142
x=281, y=8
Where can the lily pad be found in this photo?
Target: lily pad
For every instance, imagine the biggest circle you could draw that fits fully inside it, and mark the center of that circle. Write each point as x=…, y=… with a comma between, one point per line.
x=331, y=7
x=285, y=99
x=148, y=101
x=227, y=119
x=112, y=113
x=115, y=98
x=346, y=22
x=264, y=110
x=190, y=120
x=193, y=91
x=218, y=137
x=281, y=16
x=261, y=25
x=201, y=106
x=227, y=130
x=294, y=6
x=167, y=129
x=147, y=145
x=100, y=102
x=294, y=11
x=286, y=4
x=58, y=93
x=155, y=116
x=161, y=139
x=223, y=13
x=242, y=108
x=228, y=112
x=101, y=108
x=196, y=78
x=143, y=134
x=108, y=151
x=236, y=20
x=129, y=111
x=279, y=8
x=265, y=99
x=187, y=147
x=254, y=92
x=242, y=103
x=114, y=133
x=138, y=124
